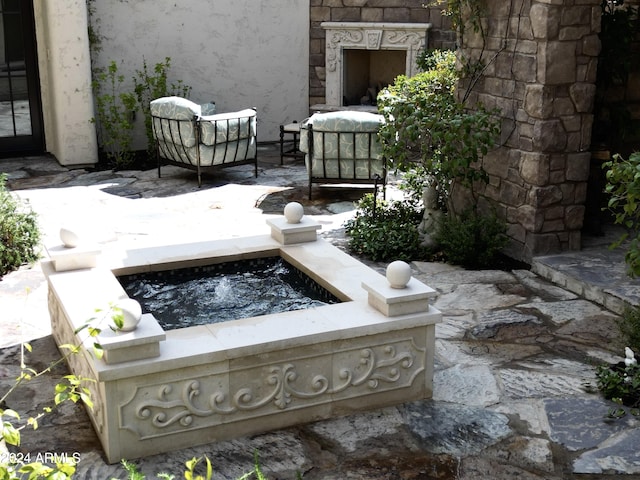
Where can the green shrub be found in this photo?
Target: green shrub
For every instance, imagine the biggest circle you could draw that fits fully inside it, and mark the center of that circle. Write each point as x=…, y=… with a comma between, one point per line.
x=471, y=239
x=426, y=125
x=620, y=383
x=629, y=325
x=390, y=234
x=623, y=184
x=19, y=234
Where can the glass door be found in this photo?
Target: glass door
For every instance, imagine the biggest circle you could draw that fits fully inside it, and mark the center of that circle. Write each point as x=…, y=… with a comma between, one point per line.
x=20, y=107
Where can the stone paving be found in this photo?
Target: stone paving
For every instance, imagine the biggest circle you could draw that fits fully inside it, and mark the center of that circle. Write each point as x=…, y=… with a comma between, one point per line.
x=514, y=356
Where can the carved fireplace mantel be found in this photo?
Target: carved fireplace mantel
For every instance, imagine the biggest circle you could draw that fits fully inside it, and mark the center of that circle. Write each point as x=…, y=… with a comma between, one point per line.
x=411, y=37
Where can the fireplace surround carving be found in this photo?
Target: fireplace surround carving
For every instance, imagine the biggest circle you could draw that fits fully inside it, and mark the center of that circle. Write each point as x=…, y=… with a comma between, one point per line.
x=340, y=36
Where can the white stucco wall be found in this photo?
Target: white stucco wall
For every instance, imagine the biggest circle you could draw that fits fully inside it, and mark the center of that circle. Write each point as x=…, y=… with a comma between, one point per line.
x=65, y=79
x=240, y=53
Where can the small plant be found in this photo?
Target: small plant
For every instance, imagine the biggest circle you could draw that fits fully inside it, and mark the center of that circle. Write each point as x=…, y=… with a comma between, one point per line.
x=620, y=383
x=23, y=466
x=72, y=388
x=151, y=85
x=623, y=186
x=115, y=111
x=114, y=317
x=390, y=233
x=190, y=471
x=471, y=239
x=19, y=233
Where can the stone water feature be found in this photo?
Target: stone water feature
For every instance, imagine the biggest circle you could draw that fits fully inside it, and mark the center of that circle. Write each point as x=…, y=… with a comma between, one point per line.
x=158, y=391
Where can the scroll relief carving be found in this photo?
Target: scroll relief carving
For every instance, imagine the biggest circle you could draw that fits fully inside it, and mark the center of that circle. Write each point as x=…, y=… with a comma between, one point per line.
x=371, y=40
x=65, y=335
x=335, y=39
x=178, y=404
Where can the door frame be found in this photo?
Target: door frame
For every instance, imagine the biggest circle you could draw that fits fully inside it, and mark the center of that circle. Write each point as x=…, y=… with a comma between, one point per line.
x=35, y=142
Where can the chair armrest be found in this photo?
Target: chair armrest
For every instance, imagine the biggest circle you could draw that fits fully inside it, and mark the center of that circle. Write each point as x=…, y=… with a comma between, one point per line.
x=228, y=127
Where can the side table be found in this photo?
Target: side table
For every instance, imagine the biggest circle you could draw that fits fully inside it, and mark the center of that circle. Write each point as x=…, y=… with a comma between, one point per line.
x=294, y=152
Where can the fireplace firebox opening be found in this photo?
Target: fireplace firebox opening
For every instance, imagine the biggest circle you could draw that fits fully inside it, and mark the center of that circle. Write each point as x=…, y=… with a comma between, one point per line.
x=366, y=72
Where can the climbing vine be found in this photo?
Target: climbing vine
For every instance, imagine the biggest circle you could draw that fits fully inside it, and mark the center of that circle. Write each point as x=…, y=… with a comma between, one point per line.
x=463, y=14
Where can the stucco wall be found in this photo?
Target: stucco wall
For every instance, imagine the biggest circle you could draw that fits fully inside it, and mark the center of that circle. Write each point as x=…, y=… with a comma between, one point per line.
x=239, y=54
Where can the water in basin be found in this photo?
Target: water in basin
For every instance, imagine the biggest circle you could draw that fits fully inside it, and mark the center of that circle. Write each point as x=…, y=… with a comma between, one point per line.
x=227, y=291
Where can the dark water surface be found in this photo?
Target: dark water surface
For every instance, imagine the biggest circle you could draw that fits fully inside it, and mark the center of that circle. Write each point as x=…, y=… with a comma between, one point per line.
x=229, y=291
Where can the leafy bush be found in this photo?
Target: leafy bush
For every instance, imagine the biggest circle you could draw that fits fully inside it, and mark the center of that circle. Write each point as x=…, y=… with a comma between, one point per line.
x=471, y=239
x=629, y=325
x=19, y=233
x=390, y=234
x=620, y=383
x=426, y=125
x=623, y=184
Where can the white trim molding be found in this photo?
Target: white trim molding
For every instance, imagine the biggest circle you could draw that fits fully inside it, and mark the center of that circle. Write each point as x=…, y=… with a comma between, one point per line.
x=411, y=37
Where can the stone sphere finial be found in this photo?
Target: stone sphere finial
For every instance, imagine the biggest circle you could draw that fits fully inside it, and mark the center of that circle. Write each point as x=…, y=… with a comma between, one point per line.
x=70, y=239
x=398, y=274
x=131, y=313
x=293, y=212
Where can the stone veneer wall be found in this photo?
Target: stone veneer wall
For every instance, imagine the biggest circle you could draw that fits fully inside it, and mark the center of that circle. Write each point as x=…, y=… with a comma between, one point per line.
x=393, y=11
x=542, y=58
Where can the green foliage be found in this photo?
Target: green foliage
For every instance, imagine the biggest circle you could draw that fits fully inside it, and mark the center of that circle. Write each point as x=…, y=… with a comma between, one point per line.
x=21, y=466
x=621, y=383
x=629, y=325
x=116, y=107
x=19, y=233
x=623, y=186
x=115, y=112
x=390, y=234
x=151, y=85
x=426, y=125
x=190, y=472
x=471, y=239
x=71, y=388
x=462, y=13
x=412, y=183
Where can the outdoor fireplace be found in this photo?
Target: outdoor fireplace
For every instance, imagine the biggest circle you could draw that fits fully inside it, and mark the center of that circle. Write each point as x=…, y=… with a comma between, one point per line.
x=363, y=57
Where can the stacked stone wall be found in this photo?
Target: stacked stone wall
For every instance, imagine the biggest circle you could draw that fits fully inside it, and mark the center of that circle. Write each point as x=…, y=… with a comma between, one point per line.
x=392, y=11
x=540, y=69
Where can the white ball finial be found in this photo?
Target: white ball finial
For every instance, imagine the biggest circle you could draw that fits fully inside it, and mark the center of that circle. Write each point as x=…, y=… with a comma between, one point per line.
x=131, y=314
x=293, y=212
x=69, y=238
x=398, y=274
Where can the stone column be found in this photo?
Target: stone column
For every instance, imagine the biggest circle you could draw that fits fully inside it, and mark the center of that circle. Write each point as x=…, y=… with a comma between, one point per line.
x=540, y=69
x=65, y=80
